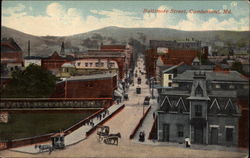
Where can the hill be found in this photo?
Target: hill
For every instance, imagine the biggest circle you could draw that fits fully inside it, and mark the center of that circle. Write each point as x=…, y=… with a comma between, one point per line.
x=45, y=45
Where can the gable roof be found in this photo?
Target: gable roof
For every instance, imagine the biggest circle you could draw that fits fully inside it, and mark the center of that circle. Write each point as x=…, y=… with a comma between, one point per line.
x=202, y=85
x=159, y=61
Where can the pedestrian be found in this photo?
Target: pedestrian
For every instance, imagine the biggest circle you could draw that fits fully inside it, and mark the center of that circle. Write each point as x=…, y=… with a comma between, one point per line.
x=154, y=115
x=187, y=142
x=143, y=136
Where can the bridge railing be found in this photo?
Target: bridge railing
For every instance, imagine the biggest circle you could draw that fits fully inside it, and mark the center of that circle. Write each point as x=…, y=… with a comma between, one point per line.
x=16, y=103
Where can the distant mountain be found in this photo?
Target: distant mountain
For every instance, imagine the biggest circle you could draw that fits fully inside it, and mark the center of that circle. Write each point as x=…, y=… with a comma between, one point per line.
x=45, y=45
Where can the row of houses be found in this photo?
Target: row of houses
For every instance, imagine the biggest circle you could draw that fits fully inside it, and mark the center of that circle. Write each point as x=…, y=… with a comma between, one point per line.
x=207, y=103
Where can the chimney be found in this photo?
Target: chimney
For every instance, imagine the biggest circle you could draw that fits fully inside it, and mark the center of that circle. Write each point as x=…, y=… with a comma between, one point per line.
x=62, y=52
x=29, y=48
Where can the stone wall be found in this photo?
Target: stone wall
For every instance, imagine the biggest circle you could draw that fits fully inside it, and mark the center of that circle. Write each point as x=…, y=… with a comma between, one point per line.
x=173, y=120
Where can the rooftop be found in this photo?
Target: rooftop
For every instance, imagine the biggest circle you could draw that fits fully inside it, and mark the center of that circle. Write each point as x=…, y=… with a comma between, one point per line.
x=91, y=77
x=213, y=76
x=172, y=67
x=116, y=46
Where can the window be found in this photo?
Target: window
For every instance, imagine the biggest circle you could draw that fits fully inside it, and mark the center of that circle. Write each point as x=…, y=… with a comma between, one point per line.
x=90, y=64
x=198, y=110
x=217, y=86
x=86, y=64
x=180, y=130
x=175, y=85
x=229, y=134
x=96, y=64
x=169, y=84
x=102, y=64
x=111, y=64
x=231, y=86
x=245, y=86
x=170, y=77
x=198, y=91
x=78, y=64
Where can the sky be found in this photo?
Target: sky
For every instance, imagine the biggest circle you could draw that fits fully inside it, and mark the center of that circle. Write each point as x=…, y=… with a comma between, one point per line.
x=62, y=18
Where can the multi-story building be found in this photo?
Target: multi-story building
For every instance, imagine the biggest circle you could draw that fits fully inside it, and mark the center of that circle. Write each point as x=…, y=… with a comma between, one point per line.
x=202, y=105
x=11, y=56
x=32, y=60
x=88, y=86
x=92, y=65
x=172, y=53
x=54, y=62
x=119, y=57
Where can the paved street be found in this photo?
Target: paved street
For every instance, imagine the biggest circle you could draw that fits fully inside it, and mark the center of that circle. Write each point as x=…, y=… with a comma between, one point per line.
x=124, y=122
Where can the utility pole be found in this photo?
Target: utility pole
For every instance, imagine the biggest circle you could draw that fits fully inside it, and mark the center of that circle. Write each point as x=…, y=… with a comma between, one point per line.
x=152, y=86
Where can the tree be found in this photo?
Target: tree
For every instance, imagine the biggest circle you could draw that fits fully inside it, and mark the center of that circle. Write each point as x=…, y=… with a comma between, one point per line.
x=33, y=82
x=97, y=36
x=90, y=43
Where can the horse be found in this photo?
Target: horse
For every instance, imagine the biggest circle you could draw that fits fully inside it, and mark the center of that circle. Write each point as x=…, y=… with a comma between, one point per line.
x=117, y=135
x=44, y=148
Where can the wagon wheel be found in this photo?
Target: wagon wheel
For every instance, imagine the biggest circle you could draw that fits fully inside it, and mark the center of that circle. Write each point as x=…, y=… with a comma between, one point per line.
x=99, y=138
x=112, y=141
x=105, y=141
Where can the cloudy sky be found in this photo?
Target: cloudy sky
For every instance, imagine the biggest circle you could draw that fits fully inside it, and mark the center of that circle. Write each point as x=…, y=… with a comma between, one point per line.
x=66, y=18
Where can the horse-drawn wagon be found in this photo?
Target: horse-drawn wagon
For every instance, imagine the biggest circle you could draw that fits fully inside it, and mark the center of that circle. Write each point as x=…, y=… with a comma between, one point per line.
x=103, y=135
x=57, y=143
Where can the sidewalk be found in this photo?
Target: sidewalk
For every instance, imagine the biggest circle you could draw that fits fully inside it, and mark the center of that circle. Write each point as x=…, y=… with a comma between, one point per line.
x=193, y=146
x=74, y=137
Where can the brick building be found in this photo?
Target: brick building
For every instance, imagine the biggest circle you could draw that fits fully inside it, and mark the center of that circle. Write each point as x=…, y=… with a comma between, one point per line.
x=91, y=86
x=11, y=56
x=172, y=53
x=54, y=62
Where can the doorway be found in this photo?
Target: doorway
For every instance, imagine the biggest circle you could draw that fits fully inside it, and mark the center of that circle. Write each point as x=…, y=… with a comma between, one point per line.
x=198, y=135
x=166, y=132
x=214, y=135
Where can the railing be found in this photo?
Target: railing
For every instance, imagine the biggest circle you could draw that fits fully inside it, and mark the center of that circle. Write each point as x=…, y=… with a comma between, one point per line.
x=79, y=124
x=22, y=103
x=106, y=119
